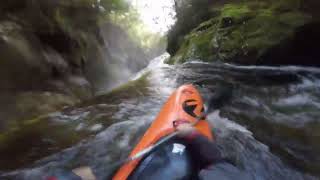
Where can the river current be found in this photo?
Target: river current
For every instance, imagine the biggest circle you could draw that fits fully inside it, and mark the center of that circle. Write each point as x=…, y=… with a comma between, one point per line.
x=268, y=126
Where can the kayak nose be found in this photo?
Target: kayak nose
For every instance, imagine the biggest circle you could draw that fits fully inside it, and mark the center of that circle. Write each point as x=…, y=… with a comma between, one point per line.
x=184, y=105
x=187, y=89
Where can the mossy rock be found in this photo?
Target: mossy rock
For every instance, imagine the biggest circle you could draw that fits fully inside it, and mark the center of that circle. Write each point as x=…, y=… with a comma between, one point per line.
x=127, y=91
x=21, y=58
x=29, y=140
x=242, y=33
x=32, y=104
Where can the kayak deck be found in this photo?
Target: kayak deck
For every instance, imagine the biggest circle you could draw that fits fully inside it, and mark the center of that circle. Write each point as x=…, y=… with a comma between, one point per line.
x=184, y=104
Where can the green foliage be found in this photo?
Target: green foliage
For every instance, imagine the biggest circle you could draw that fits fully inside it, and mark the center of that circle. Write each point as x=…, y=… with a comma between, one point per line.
x=70, y=27
x=196, y=46
x=241, y=31
x=287, y=5
x=235, y=11
x=67, y=15
x=190, y=13
x=115, y=5
x=136, y=29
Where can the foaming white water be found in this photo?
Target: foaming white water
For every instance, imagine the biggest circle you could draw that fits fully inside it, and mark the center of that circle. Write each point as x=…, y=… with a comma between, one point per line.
x=133, y=115
x=225, y=125
x=157, y=62
x=277, y=68
x=288, y=68
x=295, y=100
x=298, y=100
x=159, y=78
x=306, y=83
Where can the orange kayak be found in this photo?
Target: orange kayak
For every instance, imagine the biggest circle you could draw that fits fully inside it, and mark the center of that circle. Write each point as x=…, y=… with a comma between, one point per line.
x=184, y=104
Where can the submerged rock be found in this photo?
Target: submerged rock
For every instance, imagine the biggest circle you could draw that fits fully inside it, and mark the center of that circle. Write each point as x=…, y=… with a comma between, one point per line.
x=253, y=33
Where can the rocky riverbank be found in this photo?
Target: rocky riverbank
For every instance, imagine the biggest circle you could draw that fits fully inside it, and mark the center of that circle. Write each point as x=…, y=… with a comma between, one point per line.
x=246, y=32
x=58, y=53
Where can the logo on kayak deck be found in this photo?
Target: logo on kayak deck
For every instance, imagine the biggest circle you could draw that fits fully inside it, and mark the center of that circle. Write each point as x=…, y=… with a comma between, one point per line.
x=189, y=106
x=178, y=148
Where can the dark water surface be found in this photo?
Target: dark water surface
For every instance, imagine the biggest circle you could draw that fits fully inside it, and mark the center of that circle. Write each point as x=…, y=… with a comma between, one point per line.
x=269, y=127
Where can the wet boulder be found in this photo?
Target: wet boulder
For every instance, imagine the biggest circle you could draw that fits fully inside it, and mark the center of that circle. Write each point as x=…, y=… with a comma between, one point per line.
x=254, y=33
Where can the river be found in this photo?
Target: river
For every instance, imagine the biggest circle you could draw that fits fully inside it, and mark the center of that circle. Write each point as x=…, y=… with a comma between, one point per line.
x=269, y=126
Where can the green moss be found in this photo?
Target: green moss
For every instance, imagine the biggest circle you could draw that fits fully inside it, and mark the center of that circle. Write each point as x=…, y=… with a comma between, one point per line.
x=32, y=121
x=131, y=89
x=235, y=11
x=197, y=45
x=241, y=31
x=34, y=104
x=286, y=5
x=171, y=60
x=33, y=139
x=293, y=19
x=2, y=138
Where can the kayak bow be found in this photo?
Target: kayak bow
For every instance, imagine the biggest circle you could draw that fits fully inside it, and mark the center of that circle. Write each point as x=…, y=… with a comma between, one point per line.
x=184, y=104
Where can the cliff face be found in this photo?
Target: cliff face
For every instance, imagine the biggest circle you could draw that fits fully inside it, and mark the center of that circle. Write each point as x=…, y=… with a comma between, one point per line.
x=121, y=57
x=44, y=47
x=246, y=32
x=56, y=53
